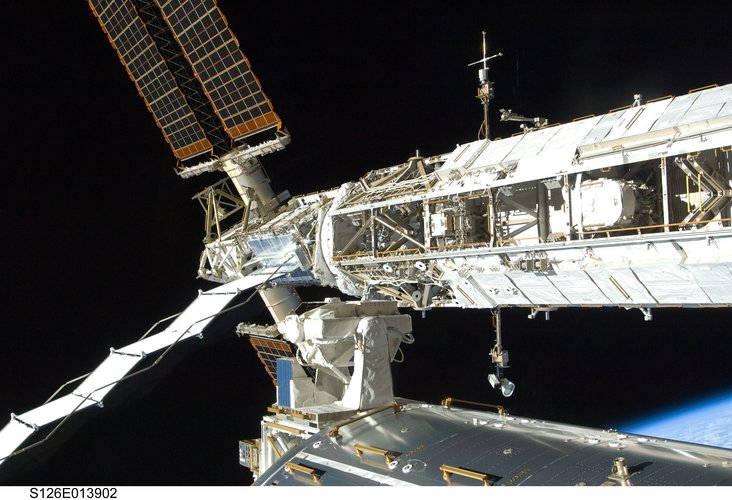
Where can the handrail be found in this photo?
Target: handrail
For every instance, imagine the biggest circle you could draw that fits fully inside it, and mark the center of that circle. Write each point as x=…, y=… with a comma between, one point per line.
x=389, y=456
x=448, y=470
x=290, y=411
x=335, y=430
x=627, y=106
x=656, y=99
x=285, y=428
x=273, y=445
x=447, y=403
x=292, y=467
x=711, y=86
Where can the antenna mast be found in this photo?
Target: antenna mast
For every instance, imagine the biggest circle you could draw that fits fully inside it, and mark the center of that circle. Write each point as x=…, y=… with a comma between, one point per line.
x=485, y=89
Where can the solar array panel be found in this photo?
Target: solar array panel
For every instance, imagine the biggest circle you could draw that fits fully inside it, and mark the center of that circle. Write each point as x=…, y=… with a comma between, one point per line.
x=218, y=63
x=147, y=68
x=269, y=351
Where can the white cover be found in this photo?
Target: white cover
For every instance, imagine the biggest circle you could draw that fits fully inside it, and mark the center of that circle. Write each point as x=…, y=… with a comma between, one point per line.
x=371, y=382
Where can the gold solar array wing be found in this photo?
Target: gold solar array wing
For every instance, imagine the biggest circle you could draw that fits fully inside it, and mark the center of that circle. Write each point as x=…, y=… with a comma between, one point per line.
x=147, y=68
x=269, y=351
x=219, y=64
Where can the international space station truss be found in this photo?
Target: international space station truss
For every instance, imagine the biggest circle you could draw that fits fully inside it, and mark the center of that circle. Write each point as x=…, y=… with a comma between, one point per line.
x=627, y=209
x=630, y=208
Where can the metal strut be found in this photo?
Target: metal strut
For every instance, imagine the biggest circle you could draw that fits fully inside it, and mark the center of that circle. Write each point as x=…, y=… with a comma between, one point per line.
x=98, y=402
x=15, y=417
x=499, y=357
x=142, y=354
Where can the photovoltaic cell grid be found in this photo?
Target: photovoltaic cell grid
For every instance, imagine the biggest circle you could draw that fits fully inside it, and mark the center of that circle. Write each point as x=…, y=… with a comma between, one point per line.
x=146, y=67
x=269, y=351
x=214, y=53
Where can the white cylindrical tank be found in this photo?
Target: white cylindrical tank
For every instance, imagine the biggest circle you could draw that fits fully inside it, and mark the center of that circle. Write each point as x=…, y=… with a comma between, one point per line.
x=607, y=203
x=281, y=301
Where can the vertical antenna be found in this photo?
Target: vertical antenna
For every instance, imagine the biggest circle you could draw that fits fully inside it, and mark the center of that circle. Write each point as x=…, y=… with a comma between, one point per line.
x=485, y=67
x=483, y=77
x=485, y=89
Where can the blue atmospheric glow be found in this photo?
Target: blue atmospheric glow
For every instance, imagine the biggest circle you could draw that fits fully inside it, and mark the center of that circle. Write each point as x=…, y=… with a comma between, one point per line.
x=708, y=422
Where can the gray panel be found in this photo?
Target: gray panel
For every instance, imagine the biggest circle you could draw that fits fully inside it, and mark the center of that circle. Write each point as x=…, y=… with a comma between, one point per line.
x=579, y=288
x=538, y=289
x=620, y=286
x=602, y=128
x=532, y=143
x=500, y=289
x=497, y=151
x=675, y=111
x=708, y=104
x=637, y=120
x=458, y=156
x=467, y=157
x=471, y=295
x=715, y=280
x=726, y=110
x=671, y=285
x=557, y=153
x=568, y=136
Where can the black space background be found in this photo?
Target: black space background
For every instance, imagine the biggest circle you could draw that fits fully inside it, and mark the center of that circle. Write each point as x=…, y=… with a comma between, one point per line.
x=100, y=238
